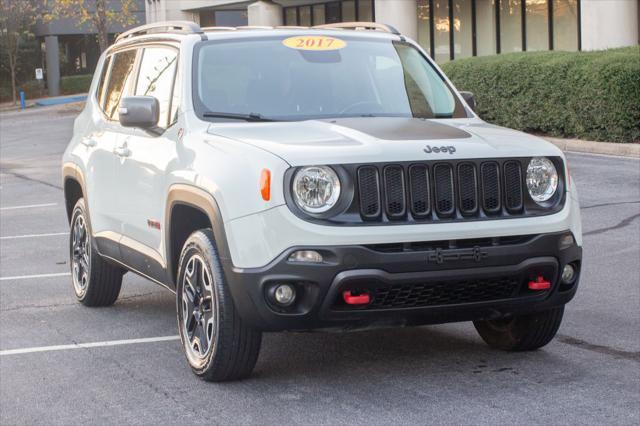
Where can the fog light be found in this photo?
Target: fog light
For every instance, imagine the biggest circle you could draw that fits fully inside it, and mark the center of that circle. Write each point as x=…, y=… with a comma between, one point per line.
x=306, y=256
x=568, y=274
x=284, y=294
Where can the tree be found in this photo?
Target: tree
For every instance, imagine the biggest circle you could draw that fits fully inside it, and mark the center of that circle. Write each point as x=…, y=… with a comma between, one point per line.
x=16, y=19
x=100, y=14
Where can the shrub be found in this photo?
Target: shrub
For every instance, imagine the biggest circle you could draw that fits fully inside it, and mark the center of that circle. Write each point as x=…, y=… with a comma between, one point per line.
x=586, y=95
x=73, y=84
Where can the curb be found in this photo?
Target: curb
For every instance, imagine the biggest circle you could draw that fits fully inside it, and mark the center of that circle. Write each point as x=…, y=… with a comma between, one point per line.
x=631, y=150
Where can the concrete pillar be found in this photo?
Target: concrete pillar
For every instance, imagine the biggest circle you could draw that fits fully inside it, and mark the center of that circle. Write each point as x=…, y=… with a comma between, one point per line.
x=609, y=23
x=53, y=65
x=402, y=14
x=264, y=12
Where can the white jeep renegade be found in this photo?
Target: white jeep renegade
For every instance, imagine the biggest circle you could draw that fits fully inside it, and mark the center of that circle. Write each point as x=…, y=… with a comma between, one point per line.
x=311, y=178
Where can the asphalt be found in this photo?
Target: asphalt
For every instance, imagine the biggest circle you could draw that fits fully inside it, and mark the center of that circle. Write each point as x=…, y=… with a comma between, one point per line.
x=438, y=374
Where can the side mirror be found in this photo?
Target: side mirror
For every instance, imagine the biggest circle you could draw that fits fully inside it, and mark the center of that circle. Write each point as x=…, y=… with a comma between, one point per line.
x=469, y=99
x=139, y=111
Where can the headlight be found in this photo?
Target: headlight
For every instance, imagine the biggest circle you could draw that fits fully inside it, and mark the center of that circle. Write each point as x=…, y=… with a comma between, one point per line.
x=316, y=189
x=542, y=179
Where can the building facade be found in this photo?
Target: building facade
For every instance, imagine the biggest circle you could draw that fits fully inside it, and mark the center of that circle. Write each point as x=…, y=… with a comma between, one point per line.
x=446, y=29
x=70, y=48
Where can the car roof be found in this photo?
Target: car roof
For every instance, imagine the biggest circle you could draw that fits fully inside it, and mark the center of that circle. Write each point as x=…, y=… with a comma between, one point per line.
x=178, y=30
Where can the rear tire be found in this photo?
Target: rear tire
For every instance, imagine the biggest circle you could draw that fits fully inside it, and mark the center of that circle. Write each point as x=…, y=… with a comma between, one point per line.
x=217, y=343
x=95, y=281
x=521, y=333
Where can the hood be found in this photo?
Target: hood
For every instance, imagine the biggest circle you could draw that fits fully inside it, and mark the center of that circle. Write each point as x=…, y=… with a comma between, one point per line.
x=376, y=139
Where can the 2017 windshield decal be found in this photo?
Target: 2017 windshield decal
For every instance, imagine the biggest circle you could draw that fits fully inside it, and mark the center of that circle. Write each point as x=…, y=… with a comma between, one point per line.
x=314, y=43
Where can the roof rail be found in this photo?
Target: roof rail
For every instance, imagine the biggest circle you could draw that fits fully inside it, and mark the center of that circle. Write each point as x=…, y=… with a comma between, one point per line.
x=360, y=26
x=179, y=27
x=205, y=29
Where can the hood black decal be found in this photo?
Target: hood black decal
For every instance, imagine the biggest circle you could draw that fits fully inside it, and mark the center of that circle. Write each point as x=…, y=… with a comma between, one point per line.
x=392, y=128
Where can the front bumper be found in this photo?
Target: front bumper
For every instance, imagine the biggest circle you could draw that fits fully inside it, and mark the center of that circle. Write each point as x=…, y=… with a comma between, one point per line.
x=410, y=283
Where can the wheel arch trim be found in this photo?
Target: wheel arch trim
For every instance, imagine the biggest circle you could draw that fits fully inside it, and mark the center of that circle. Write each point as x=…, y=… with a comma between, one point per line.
x=199, y=199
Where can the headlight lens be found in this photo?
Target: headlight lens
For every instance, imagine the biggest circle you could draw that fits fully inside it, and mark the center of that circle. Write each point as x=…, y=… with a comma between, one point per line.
x=316, y=189
x=542, y=179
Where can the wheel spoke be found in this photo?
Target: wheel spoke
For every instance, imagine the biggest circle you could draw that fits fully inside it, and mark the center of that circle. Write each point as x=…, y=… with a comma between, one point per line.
x=204, y=345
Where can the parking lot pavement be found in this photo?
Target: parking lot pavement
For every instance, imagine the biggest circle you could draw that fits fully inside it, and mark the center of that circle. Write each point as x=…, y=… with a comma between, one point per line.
x=439, y=374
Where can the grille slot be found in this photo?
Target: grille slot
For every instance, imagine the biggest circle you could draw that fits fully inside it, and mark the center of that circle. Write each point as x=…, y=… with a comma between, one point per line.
x=449, y=292
x=443, y=183
x=394, y=187
x=490, y=187
x=419, y=191
x=369, y=192
x=513, y=186
x=468, y=189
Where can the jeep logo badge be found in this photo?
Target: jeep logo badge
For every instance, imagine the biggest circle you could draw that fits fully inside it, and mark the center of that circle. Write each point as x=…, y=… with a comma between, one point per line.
x=437, y=149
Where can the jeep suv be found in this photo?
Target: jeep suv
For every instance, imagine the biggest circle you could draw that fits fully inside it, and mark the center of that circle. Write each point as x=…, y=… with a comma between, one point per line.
x=311, y=178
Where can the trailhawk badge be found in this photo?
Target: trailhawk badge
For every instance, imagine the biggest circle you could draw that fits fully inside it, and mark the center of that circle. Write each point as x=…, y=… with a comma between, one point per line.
x=437, y=149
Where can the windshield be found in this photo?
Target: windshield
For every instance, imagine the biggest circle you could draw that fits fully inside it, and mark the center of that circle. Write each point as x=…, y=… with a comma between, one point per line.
x=306, y=77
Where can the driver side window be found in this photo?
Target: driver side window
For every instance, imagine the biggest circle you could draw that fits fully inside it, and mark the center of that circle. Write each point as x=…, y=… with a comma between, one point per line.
x=156, y=78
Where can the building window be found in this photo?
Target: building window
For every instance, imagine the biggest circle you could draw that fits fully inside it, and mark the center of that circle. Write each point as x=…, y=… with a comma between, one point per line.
x=424, y=24
x=485, y=27
x=318, y=14
x=441, y=30
x=223, y=18
x=329, y=13
x=291, y=16
x=450, y=29
x=565, y=25
x=462, y=29
x=510, y=26
x=365, y=10
x=305, y=16
x=537, y=15
x=348, y=11
x=333, y=12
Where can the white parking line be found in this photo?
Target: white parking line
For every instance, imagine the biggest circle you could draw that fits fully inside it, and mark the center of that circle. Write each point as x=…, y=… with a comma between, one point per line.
x=87, y=345
x=26, y=277
x=15, y=237
x=31, y=206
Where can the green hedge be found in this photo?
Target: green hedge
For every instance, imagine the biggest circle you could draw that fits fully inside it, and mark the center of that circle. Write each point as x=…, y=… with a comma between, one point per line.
x=69, y=85
x=73, y=84
x=586, y=95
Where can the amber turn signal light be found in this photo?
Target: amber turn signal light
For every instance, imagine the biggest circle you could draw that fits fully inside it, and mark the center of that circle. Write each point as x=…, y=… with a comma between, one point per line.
x=265, y=184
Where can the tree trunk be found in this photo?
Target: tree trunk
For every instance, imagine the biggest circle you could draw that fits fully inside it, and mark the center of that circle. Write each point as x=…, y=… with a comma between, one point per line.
x=100, y=21
x=12, y=66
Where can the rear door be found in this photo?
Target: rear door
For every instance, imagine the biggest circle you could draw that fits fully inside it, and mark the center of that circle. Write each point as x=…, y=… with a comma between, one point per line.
x=143, y=168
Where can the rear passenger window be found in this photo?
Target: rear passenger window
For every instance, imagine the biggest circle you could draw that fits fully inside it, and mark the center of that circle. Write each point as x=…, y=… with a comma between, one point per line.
x=157, y=71
x=120, y=81
x=103, y=76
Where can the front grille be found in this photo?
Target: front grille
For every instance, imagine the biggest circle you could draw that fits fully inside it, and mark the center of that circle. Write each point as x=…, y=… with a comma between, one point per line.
x=444, y=292
x=440, y=190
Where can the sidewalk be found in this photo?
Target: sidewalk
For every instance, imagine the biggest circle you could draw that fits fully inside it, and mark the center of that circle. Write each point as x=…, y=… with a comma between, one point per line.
x=48, y=101
x=605, y=148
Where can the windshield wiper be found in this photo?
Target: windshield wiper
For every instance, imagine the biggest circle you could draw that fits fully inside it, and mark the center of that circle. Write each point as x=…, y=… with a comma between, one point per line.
x=247, y=117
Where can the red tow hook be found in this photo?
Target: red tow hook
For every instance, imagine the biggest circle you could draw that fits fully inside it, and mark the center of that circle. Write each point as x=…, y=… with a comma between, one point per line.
x=356, y=299
x=539, y=284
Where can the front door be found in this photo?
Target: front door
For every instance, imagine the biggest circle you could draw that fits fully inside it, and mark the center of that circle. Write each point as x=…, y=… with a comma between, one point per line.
x=144, y=159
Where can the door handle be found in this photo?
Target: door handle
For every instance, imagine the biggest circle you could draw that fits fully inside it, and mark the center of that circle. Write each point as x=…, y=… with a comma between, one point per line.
x=122, y=150
x=88, y=142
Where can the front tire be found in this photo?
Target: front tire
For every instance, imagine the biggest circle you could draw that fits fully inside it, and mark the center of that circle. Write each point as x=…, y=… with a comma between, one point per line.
x=521, y=333
x=217, y=343
x=95, y=281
